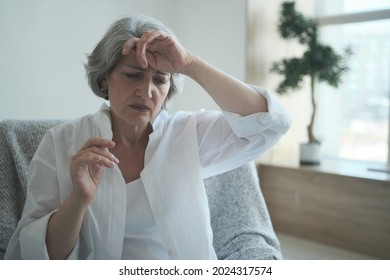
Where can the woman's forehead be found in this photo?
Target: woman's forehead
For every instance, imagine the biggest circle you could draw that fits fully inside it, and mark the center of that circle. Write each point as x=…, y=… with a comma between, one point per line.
x=130, y=61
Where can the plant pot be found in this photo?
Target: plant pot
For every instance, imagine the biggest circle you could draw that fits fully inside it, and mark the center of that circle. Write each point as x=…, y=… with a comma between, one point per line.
x=310, y=153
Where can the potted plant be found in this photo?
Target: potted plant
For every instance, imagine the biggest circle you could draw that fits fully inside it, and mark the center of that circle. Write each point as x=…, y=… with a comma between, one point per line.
x=319, y=62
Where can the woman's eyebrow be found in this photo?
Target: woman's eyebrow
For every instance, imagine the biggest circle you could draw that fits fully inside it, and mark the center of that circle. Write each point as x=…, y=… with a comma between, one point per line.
x=139, y=68
x=162, y=73
x=136, y=67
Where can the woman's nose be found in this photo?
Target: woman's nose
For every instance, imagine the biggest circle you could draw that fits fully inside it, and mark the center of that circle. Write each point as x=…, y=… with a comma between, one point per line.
x=145, y=89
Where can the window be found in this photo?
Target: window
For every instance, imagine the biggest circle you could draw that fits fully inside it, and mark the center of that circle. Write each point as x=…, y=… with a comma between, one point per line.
x=358, y=127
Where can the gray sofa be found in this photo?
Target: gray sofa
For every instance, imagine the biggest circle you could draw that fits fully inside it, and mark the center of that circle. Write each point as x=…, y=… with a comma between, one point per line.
x=239, y=216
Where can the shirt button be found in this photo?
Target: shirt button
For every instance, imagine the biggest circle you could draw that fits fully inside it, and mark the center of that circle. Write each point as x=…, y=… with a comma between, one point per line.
x=170, y=252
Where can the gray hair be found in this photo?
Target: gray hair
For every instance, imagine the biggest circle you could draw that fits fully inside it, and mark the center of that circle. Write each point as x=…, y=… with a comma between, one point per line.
x=108, y=52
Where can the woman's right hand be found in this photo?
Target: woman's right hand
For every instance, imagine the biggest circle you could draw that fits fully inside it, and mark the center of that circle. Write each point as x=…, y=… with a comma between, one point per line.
x=86, y=167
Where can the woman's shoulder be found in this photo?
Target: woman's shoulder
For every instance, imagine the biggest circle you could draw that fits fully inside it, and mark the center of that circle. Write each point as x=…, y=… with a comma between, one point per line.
x=192, y=116
x=183, y=120
x=71, y=135
x=70, y=127
x=89, y=124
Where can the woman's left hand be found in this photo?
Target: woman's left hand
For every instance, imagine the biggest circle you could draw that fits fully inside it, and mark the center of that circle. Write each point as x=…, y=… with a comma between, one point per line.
x=159, y=51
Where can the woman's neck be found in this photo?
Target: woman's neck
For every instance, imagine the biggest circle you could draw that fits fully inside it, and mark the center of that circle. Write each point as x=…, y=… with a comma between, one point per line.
x=129, y=135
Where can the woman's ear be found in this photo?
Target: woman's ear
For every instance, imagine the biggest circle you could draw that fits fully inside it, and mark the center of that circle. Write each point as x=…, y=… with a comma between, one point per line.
x=103, y=84
x=104, y=88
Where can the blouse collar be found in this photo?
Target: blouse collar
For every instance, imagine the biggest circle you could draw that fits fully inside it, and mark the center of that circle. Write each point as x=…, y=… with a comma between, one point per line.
x=102, y=119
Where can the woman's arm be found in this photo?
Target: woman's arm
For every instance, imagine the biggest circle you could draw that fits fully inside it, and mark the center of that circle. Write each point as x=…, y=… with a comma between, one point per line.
x=86, y=169
x=64, y=228
x=229, y=93
x=162, y=52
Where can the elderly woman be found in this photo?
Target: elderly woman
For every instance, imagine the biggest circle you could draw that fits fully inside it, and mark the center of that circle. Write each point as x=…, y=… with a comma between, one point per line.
x=127, y=181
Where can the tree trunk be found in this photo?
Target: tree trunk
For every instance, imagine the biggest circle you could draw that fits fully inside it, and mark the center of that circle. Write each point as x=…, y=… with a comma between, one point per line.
x=310, y=127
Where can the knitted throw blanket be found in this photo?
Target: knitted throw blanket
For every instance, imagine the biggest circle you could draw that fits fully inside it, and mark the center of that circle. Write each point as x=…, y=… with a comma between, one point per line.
x=240, y=219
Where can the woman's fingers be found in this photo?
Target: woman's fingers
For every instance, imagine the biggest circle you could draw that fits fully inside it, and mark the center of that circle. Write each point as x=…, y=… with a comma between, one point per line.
x=99, y=142
x=104, y=152
x=149, y=38
x=87, y=159
x=130, y=45
x=140, y=46
x=87, y=165
x=96, y=151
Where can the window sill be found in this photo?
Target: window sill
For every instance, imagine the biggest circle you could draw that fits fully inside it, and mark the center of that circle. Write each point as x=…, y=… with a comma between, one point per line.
x=339, y=203
x=351, y=168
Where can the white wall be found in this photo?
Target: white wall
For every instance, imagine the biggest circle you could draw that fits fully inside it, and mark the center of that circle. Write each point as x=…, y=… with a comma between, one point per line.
x=216, y=31
x=44, y=42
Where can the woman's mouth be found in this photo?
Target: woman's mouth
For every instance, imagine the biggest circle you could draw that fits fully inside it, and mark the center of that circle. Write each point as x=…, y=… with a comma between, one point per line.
x=140, y=107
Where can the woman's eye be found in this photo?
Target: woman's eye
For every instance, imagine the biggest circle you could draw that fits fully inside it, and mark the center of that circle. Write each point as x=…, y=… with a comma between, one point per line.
x=133, y=75
x=160, y=81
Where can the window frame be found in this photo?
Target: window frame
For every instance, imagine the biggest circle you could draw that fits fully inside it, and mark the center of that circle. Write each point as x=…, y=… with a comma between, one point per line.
x=346, y=18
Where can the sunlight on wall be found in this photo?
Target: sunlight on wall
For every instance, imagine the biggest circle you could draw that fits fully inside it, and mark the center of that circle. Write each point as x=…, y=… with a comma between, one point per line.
x=265, y=47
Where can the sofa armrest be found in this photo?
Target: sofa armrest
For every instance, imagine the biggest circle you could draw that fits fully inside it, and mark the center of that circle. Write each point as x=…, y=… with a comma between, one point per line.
x=240, y=219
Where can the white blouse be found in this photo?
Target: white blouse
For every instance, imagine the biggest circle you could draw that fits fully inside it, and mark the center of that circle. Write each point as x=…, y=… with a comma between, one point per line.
x=142, y=240
x=183, y=149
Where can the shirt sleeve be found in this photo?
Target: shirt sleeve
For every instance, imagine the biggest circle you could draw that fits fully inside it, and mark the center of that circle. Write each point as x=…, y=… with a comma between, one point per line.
x=228, y=140
x=42, y=201
x=276, y=119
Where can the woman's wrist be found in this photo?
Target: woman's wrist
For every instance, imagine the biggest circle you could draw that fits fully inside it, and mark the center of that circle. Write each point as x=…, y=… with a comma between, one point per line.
x=76, y=202
x=192, y=65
